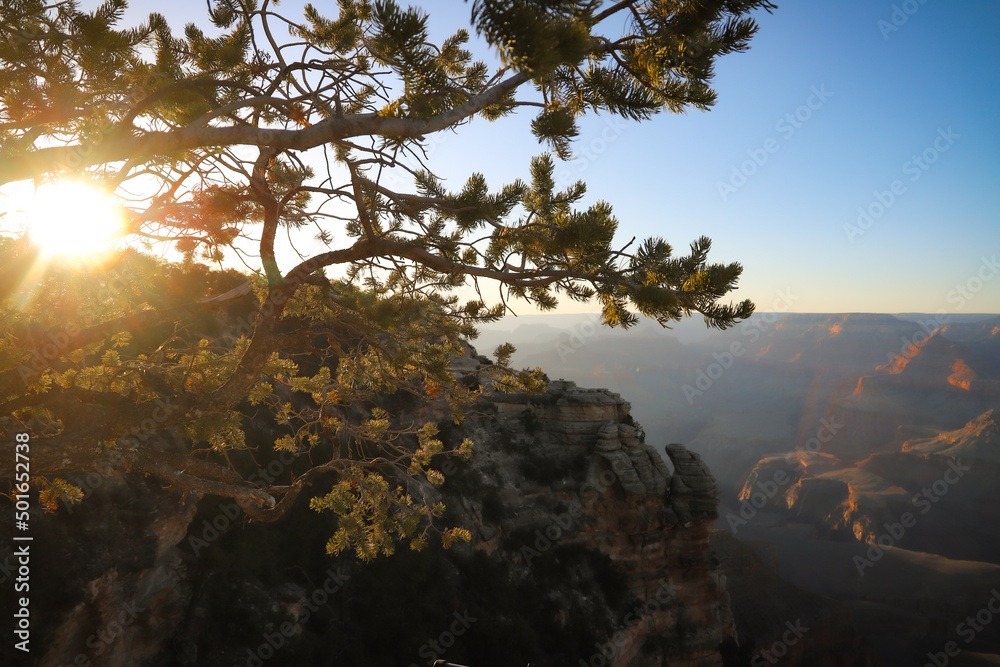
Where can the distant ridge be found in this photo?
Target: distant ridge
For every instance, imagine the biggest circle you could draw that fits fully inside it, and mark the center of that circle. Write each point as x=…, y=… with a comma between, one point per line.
x=979, y=439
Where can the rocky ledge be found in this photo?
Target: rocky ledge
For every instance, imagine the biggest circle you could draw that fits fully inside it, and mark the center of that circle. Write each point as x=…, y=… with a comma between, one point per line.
x=625, y=502
x=588, y=549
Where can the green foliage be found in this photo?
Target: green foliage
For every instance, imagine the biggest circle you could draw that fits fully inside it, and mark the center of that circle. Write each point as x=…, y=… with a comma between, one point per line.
x=665, y=59
x=537, y=36
x=52, y=493
x=205, y=135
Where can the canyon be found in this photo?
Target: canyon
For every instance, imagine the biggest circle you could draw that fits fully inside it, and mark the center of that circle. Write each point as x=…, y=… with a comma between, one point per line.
x=856, y=456
x=834, y=503
x=588, y=546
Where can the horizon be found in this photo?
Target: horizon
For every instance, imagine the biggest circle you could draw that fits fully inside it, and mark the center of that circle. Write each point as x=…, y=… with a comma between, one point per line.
x=943, y=317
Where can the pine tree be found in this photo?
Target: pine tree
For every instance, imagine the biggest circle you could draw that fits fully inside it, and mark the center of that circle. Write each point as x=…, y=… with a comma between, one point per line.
x=99, y=365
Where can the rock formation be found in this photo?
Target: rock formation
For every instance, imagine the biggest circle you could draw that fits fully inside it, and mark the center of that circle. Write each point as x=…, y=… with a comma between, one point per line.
x=587, y=547
x=653, y=524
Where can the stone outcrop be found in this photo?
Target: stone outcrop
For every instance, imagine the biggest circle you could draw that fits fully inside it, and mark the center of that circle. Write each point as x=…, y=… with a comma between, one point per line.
x=578, y=525
x=979, y=439
x=652, y=522
x=573, y=414
x=112, y=581
x=693, y=491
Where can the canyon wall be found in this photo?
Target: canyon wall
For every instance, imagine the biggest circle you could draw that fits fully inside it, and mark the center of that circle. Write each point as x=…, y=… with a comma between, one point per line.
x=625, y=502
x=587, y=549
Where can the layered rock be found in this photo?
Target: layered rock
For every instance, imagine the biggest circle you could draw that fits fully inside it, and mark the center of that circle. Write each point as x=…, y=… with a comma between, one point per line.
x=575, y=415
x=938, y=482
x=979, y=439
x=932, y=383
x=578, y=526
x=651, y=522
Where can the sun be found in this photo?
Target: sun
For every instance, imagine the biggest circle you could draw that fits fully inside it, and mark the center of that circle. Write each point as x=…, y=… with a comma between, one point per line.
x=72, y=219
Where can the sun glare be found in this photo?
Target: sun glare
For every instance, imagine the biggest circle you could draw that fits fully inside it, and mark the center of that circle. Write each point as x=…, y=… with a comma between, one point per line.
x=70, y=219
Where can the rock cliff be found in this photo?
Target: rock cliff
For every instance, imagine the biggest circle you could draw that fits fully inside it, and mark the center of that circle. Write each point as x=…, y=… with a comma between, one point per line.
x=588, y=549
x=652, y=523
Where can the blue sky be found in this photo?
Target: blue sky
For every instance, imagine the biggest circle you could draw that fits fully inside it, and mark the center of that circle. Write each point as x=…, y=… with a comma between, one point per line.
x=822, y=117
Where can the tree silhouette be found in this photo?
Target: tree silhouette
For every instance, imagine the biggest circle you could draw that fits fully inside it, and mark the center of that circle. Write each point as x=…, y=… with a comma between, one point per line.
x=259, y=124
